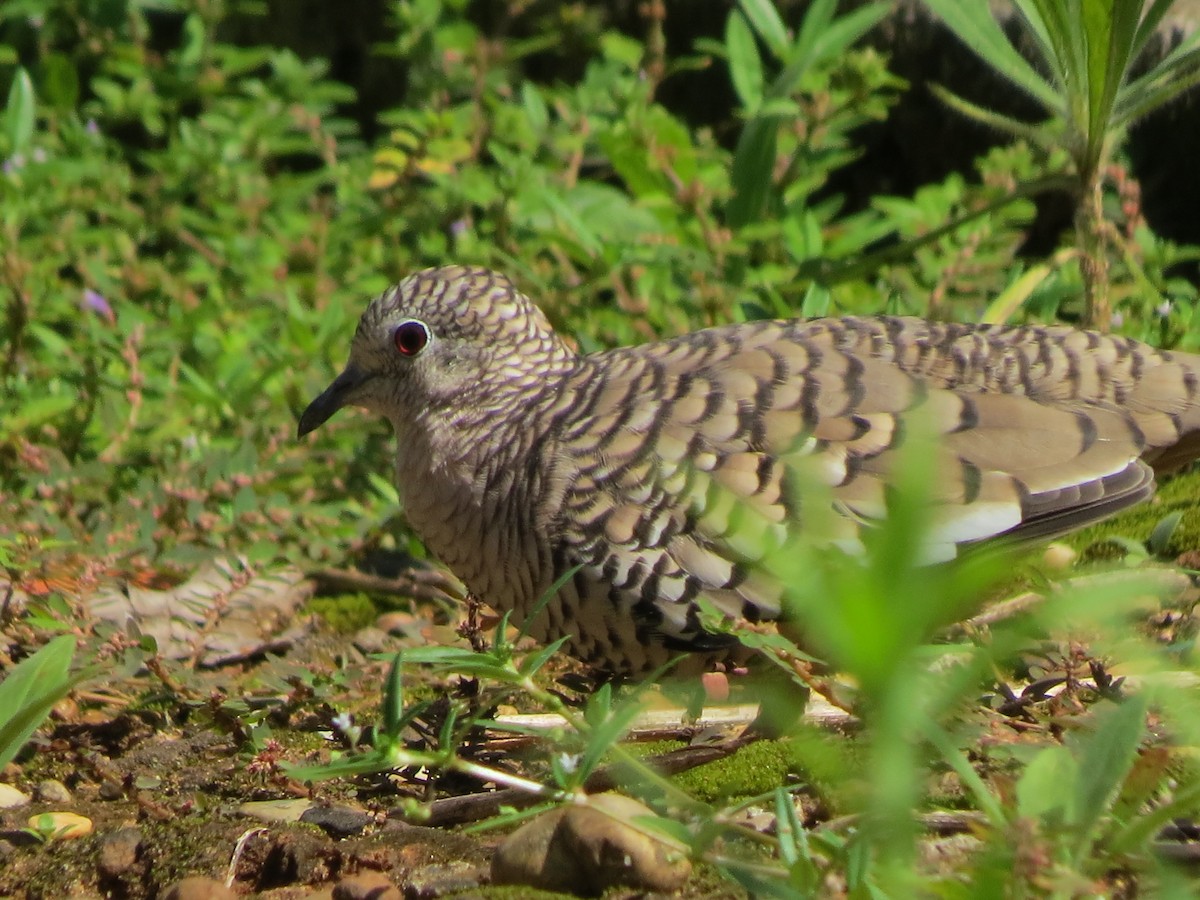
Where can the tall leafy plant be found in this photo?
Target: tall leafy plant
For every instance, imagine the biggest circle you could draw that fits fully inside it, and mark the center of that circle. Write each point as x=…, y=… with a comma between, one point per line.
x=1084, y=79
x=768, y=102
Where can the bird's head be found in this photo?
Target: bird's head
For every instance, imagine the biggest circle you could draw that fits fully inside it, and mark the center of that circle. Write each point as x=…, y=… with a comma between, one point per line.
x=438, y=338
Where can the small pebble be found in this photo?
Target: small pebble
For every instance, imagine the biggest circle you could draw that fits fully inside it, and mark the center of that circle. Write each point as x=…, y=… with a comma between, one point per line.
x=371, y=640
x=429, y=882
x=398, y=623
x=51, y=791
x=61, y=826
x=111, y=790
x=197, y=887
x=1058, y=557
x=119, y=851
x=276, y=810
x=338, y=821
x=366, y=886
x=11, y=798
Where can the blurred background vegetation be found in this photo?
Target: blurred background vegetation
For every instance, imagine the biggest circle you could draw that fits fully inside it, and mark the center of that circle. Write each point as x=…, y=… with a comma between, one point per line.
x=198, y=198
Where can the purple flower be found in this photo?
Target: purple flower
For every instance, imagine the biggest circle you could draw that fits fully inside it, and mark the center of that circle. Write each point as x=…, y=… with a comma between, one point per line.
x=1163, y=309
x=1118, y=319
x=91, y=127
x=95, y=301
x=459, y=227
x=14, y=162
x=39, y=155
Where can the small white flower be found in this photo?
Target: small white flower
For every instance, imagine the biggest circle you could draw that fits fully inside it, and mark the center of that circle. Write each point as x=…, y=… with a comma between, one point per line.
x=569, y=761
x=1163, y=309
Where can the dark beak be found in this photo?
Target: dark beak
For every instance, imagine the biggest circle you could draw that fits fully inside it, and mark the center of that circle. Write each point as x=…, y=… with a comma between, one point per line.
x=334, y=398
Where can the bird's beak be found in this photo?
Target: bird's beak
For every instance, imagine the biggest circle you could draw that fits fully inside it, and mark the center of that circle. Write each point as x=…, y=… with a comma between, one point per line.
x=331, y=400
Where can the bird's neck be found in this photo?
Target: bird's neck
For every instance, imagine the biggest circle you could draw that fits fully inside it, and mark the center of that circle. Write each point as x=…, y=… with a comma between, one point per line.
x=469, y=466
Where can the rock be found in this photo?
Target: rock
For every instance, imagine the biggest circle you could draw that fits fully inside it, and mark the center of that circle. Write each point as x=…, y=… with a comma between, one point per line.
x=588, y=849
x=11, y=798
x=61, y=826
x=51, y=791
x=338, y=821
x=1059, y=557
x=371, y=640
x=366, y=886
x=119, y=852
x=400, y=623
x=276, y=810
x=429, y=882
x=197, y=887
x=111, y=789
x=536, y=855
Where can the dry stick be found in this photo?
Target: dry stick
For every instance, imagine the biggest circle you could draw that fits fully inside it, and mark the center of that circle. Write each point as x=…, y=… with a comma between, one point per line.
x=473, y=807
x=999, y=612
x=421, y=584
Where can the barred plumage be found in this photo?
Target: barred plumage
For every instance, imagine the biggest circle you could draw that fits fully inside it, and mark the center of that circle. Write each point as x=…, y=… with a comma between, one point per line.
x=664, y=471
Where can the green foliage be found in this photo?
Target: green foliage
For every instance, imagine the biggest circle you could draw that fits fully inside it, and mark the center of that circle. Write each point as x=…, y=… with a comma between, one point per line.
x=1092, y=94
x=29, y=691
x=820, y=40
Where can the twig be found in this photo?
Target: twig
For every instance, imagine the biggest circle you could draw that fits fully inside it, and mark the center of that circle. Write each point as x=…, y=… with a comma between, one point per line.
x=473, y=807
x=238, y=849
x=1000, y=612
x=420, y=584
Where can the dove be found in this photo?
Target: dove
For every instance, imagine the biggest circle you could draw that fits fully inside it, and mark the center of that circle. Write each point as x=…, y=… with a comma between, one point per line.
x=654, y=478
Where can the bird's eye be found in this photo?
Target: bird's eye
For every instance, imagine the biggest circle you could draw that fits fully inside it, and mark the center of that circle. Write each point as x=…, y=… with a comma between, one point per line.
x=410, y=337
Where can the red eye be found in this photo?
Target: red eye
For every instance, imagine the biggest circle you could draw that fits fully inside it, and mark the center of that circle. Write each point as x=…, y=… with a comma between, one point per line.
x=410, y=337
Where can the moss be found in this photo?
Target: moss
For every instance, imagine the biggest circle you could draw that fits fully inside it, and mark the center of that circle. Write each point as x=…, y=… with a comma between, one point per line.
x=517, y=892
x=754, y=769
x=345, y=614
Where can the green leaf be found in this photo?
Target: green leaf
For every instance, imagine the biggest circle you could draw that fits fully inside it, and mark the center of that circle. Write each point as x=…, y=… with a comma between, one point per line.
x=1107, y=756
x=974, y=25
x=393, y=698
x=753, y=164
x=1160, y=537
x=30, y=691
x=816, y=302
x=745, y=65
x=1047, y=789
x=535, y=107
x=20, y=112
x=847, y=30
x=59, y=81
x=766, y=21
x=609, y=725
x=37, y=412
x=1013, y=297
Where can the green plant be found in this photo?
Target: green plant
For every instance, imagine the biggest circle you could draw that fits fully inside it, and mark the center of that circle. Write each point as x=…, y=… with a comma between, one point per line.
x=29, y=691
x=1092, y=94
